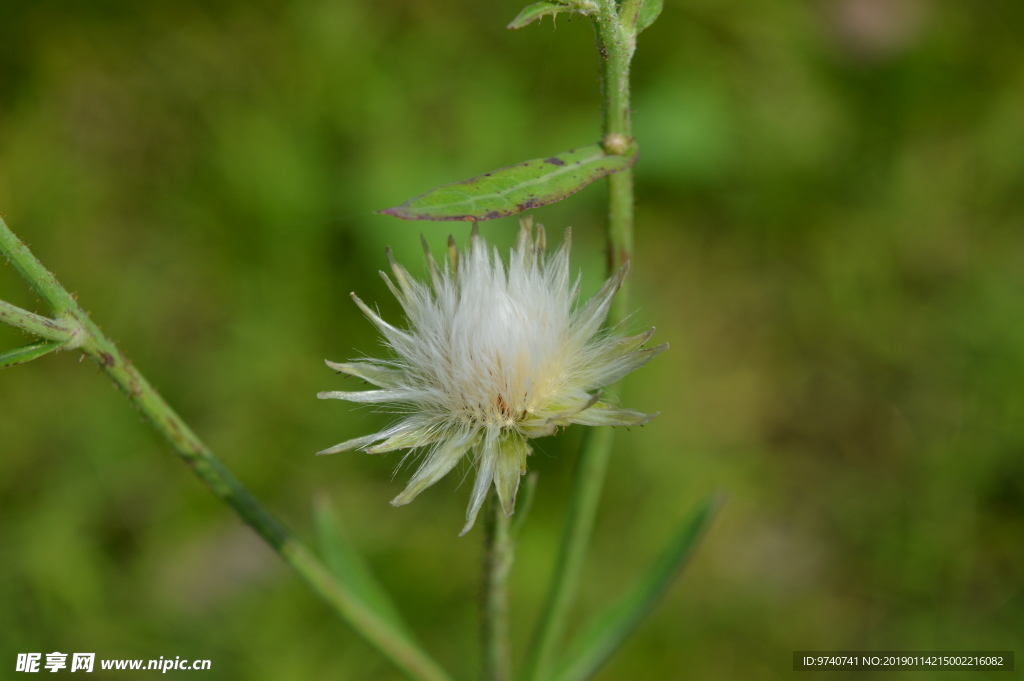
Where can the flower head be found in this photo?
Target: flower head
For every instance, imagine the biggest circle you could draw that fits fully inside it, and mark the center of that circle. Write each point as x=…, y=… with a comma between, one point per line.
x=491, y=357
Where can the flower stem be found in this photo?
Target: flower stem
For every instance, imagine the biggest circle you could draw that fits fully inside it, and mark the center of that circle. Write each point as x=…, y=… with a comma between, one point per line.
x=32, y=271
x=498, y=554
x=616, y=41
x=393, y=643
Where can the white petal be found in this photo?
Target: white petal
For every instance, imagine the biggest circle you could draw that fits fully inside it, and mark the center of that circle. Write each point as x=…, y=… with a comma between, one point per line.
x=556, y=267
x=355, y=443
x=616, y=368
x=401, y=297
x=602, y=414
x=424, y=435
x=540, y=244
x=436, y=279
x=405, y=282
x=383, y=377
x=359, y=442
x=563, y=416
x=589, y=319
x=510, y=468
x=486, y=463
x=537, y=428
x=390, y=332
x=409, y=292
x=437, y=465
x=632, y=343
x=371, y=396
x=453, y=257
x=523, y=236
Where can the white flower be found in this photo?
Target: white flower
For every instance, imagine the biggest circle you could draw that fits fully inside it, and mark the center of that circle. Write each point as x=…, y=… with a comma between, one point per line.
x=492, y=357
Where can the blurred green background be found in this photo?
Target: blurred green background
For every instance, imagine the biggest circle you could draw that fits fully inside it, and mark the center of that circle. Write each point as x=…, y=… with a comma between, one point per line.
x=830, y=210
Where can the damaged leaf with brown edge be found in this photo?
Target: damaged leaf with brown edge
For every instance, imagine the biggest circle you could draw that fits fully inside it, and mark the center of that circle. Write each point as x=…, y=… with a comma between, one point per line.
x=513, y=189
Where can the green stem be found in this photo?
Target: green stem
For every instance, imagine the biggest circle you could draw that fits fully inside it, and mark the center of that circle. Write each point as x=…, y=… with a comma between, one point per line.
x=629, y=10
x=395, y=645
x=616, y=43
x=620, y=240
x=498, y=554
x=32, y=271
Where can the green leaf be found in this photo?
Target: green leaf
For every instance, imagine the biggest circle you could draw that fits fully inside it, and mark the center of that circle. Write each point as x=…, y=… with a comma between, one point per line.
x=603, y=636
x=27, y=353
x=535, y=11
x=649, y=11
x=511, y=190
x=350, y=568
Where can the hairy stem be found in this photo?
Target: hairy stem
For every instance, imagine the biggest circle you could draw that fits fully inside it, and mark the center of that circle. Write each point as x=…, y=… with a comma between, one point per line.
x=394, y=644
x=32, y=271
x=616, y=41
x=498, y=554
x=44, y=327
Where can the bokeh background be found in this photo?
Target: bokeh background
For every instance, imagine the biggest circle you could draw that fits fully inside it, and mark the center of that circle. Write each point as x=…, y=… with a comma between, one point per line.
x=830, y=210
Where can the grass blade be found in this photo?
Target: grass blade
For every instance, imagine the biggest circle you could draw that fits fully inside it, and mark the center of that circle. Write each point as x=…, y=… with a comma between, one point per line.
x=349, y=567
x=603, y=636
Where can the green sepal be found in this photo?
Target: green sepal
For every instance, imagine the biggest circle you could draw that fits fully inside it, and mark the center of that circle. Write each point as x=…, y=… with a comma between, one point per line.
x=605, y=633
x=350, y=568
x=27, y=353
x=516, y=188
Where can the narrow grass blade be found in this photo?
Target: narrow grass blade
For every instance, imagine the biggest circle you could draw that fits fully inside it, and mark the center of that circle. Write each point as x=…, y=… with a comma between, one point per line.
x=27, y=353
x=513, y=189
x=591, y=468
x=525, y=503
x=349, y=567
x=602, y=637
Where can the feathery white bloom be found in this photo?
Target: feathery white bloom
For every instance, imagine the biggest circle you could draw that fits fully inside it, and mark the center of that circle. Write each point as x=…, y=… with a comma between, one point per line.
x=492, y=357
